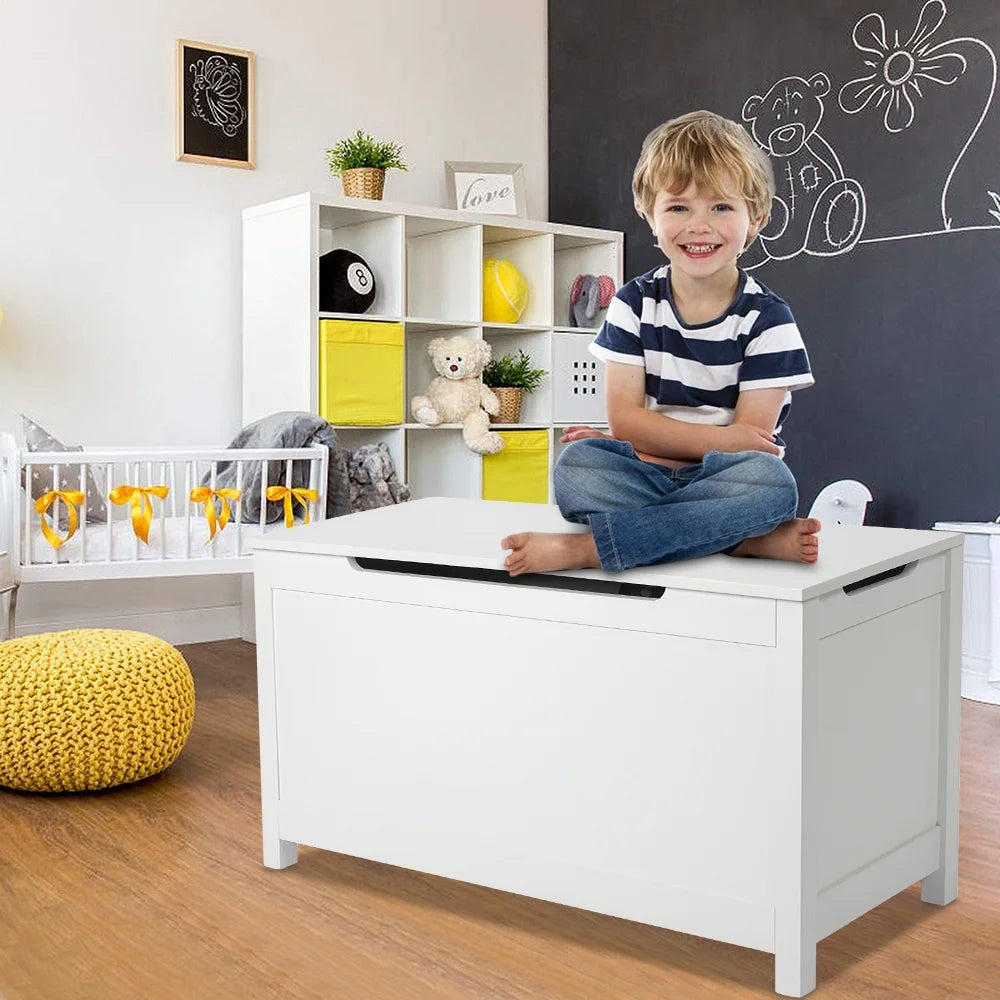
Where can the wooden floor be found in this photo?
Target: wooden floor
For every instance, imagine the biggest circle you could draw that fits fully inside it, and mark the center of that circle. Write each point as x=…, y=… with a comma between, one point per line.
x=157, y=891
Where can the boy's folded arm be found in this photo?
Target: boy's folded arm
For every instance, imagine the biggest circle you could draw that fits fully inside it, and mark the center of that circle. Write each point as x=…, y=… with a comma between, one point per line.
x=760, y=408
x=654, y=433
x=648, y=431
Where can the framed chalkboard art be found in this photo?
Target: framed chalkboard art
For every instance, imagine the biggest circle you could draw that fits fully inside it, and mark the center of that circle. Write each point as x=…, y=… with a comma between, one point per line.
x=215, y=104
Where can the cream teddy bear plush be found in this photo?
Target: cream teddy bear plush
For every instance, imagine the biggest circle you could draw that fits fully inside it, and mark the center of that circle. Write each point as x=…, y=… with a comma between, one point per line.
x=458, y=395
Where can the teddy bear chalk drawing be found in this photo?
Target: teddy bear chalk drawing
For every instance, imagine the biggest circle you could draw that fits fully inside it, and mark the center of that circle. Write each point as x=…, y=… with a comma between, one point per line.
x=458, y=395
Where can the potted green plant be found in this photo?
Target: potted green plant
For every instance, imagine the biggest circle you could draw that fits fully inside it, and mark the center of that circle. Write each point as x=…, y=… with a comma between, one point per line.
x=510, y=376
x=361, y=161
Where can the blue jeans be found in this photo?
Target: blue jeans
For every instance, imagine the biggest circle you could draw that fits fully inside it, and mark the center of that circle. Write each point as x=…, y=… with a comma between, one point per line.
x=642, y=513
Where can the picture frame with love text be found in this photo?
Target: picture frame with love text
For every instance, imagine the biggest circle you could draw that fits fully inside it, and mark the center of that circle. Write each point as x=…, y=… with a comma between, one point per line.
x=486, y=188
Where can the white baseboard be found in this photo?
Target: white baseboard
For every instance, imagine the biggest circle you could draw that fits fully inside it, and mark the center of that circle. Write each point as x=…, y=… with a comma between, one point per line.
x=176, y=627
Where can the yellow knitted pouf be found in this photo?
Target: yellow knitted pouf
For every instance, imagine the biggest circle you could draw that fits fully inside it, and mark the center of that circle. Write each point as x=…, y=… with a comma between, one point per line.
x=90, y=708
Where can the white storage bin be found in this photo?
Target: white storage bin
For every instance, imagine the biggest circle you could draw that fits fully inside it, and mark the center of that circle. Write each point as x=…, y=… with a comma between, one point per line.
x=577, y=380
x=980, y=609
x=750, y=750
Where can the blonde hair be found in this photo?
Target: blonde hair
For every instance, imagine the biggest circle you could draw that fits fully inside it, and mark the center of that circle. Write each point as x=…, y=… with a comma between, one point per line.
x=710, y=151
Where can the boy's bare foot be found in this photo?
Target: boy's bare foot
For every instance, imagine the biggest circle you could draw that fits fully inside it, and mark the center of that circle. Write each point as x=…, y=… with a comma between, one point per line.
x=794, y=540
x=542, y=552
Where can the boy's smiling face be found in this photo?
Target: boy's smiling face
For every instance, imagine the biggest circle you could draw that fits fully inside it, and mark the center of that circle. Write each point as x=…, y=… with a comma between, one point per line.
x=702, y=231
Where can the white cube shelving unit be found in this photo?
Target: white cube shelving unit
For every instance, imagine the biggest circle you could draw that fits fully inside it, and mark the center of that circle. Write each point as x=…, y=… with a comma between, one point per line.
x=428, y=266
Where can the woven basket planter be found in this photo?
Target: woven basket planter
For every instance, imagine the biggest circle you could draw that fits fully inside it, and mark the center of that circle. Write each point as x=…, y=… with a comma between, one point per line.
x=510, y=405
x=363, y=182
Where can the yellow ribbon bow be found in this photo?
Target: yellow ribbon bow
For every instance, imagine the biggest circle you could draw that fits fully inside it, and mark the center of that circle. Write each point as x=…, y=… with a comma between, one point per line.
x=286, y=493
x=142, y=506
x=205, y=494
x=72, y=499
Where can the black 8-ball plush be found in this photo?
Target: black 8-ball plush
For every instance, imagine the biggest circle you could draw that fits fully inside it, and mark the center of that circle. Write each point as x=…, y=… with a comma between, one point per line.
x=346, y=282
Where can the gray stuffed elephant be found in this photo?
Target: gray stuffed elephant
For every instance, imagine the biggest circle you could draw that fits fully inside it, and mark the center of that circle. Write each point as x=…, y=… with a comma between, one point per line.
x=373, y=481
x=589, y=293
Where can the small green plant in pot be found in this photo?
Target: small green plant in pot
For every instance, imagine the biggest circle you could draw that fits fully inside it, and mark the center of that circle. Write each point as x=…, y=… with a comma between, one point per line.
x=510, y=376
x=361, y=162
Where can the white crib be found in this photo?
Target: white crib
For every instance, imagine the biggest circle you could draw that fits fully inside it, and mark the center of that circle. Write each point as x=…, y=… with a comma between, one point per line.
x=189, y=529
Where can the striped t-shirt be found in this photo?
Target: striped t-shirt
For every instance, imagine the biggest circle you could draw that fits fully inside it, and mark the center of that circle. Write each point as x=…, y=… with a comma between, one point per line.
x=696, y=373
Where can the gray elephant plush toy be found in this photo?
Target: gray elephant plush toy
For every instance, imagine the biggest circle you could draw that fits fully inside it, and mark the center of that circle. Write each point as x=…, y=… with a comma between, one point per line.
x=589, y=293
x=372, y=476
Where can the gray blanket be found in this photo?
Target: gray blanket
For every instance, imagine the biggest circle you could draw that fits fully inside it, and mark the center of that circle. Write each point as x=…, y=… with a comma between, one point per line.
x=287, y=430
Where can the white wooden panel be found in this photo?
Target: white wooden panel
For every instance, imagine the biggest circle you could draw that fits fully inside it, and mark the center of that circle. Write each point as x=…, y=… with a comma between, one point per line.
x=428, y=757
x=879, y=700
x=439, y=464
x=444, y=275
x=976, y=605
x=941, y=887
x=577, y=381
x=839, y=610
x=280, y=301
x=872, y=885
x=723, y=618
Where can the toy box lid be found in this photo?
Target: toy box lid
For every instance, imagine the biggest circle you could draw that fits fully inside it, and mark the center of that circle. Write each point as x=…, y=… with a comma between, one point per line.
x=466, y=533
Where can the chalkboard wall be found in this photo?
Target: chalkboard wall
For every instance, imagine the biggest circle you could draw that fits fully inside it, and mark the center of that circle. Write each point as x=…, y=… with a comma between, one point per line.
x=896, y=284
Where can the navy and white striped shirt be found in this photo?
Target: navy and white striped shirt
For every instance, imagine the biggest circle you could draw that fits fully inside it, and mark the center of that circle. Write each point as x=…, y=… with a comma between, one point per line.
x=696, y=373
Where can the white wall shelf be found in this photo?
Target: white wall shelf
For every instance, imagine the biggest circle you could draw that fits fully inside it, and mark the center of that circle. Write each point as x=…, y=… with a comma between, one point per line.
x=428, y=265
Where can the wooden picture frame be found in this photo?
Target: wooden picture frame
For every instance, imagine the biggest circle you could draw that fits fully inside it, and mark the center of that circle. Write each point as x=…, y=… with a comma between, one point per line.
x=486, y=188
x=214, y=104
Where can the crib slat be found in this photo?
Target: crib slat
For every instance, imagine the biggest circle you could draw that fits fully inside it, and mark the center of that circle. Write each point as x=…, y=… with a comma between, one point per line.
x=163, y=514
x=213, y=548
x=83, y=512
x=263, y=496
x=188, y=503
x=109, y=471
x=239, y=509
x=135, y=538
x=54, y=510
x=314, y=506
x=28, y=507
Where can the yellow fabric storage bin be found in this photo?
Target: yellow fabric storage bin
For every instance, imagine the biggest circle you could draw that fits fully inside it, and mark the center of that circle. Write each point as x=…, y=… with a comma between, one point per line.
x=521, y=471
x=360, y=372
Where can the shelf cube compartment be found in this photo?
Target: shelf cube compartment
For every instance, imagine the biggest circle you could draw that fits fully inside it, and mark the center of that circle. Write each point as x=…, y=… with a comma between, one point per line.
x=420, y=370
x=532, y=256
x=379, y=242
x=352, y=438
x=442, y=276
x=520, y=472
x=536, y=406
x=576, y=255
x=360, y=372
x=439, y=464
x=577, y=380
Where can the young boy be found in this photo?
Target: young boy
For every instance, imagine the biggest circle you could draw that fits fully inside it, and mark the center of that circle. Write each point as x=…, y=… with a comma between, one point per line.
x=700, y=363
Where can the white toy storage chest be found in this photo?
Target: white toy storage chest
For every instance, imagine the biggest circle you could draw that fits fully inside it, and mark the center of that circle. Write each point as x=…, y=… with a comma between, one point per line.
x=752, y=751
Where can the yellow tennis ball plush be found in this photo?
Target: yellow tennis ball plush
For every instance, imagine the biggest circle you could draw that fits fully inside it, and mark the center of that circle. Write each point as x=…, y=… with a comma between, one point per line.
x=505, y=292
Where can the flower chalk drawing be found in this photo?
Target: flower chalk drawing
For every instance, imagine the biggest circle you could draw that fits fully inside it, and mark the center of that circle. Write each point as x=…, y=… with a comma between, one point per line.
x=899, y=71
